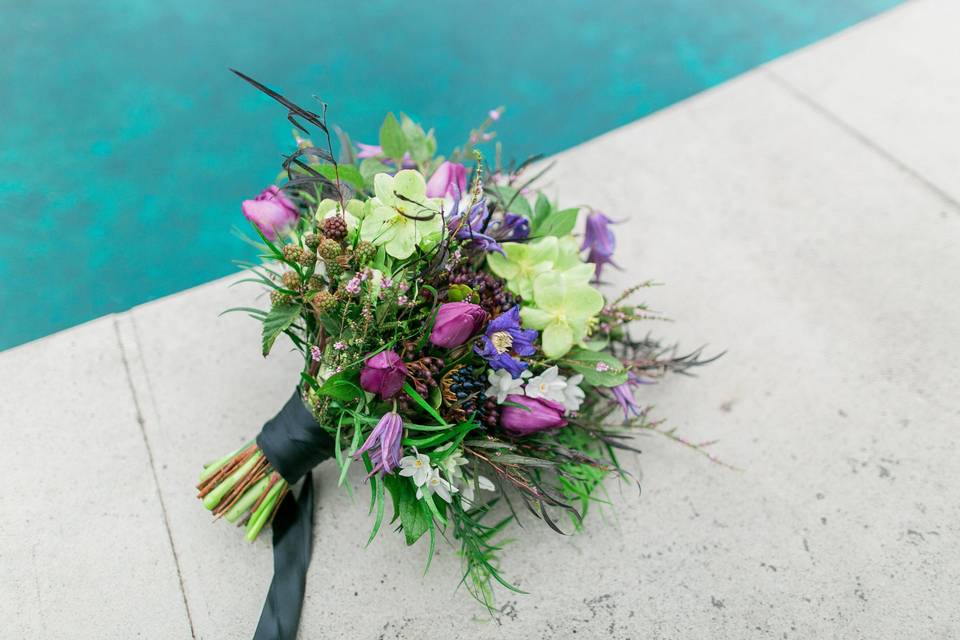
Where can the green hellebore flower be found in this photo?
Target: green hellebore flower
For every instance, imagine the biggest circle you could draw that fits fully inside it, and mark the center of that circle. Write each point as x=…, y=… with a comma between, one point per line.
x=564, y=304
x=401, y=217
x=523, y=262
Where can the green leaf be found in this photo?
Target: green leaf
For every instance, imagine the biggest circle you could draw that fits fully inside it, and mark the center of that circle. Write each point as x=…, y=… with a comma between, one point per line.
x=370, y=167
x=558, y=223
x=392, y=140
x=414, y=515
x=423, y=403
x=585, y=361
x=518, y=204
x=417, y=141
x=347, y=172
x=279, y=319
x=541, y=210
x=341, y=386
x=379, y=499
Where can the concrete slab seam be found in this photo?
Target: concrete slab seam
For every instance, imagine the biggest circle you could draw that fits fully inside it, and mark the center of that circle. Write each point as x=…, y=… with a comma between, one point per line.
x=153, y=469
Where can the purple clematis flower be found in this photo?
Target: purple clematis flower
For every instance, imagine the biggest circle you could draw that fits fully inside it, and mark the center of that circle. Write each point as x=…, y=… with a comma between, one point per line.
x=503, y=339
x=271, y=211
x=369, y=150
x=470, y=227
x=383, y=444
x=599, y=240
x=512, y=228
x=623, y=394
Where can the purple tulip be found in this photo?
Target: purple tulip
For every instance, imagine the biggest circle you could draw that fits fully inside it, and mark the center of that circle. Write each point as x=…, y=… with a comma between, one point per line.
x=271, y=211
x=534, y=414
x=383, y=374
x=599, y=239
x=456, y=323
x=450, y=179
x=623, y=394
x=383, y=444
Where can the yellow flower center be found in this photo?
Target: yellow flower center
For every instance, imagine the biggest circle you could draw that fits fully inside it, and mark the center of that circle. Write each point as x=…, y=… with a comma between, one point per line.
x=502, y=341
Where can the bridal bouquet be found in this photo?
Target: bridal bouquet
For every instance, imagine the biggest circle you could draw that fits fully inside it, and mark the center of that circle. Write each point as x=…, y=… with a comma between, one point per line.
x=455, y=343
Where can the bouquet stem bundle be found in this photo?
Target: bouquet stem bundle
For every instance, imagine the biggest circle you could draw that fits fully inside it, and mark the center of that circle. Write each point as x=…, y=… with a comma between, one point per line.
x=244, y=488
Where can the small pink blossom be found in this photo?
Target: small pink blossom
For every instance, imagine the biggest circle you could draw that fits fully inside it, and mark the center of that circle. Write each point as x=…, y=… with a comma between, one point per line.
x=353, y=287
x=340, y=345
x=315, y=353
x=602, y=366
x=402, y=300
x=494, y=114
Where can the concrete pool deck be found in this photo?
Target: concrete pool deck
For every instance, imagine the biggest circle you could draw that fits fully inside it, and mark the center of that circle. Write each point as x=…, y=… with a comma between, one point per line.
x=803, y=216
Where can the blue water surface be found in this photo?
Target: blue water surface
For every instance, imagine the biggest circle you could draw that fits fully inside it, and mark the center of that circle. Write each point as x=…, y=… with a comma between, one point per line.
x=126, y=146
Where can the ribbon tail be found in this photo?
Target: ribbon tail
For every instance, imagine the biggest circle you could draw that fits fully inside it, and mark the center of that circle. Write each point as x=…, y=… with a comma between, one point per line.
x=292, y=546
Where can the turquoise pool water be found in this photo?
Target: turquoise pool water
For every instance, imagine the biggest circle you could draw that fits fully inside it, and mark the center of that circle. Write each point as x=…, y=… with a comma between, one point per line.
x=126, y=146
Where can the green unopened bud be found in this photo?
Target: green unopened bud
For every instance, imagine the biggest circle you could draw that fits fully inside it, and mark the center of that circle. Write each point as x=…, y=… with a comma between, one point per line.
x=329, y=249
x=308, y=258
x=365, y=252
x=312, y=240
x=291, y=253
x=279, y=297
x=323, y=301
x=290, y=280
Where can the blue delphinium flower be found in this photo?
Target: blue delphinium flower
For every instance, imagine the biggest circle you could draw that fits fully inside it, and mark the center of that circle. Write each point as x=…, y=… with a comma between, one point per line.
x=504, y=339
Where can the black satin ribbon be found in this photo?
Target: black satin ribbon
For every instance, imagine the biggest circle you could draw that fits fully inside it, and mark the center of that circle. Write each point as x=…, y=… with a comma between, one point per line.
x=294, y=443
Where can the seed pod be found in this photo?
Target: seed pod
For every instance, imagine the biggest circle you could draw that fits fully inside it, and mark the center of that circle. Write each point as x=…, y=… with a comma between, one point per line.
x=308, y=258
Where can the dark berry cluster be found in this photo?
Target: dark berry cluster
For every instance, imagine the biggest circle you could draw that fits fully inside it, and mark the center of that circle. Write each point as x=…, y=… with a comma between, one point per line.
x=463, y=394
x=335, y=227
x=494, y=297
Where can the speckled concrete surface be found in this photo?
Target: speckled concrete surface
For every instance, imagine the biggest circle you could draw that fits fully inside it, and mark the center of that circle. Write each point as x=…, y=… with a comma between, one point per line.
x=829, y=270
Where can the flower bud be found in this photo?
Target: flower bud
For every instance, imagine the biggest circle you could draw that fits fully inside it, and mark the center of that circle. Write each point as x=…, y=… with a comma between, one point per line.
x=450, y=179
x=456, y=323
x=383, y=374
x=271, y=211
x=534, y=414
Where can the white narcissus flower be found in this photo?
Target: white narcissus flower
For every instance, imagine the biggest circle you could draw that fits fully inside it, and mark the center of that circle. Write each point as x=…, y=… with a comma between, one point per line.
x=549, y=385
x=467, y=493
x=572, y=394
x=436, y=484
x=416, y=466
x=503, y=384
